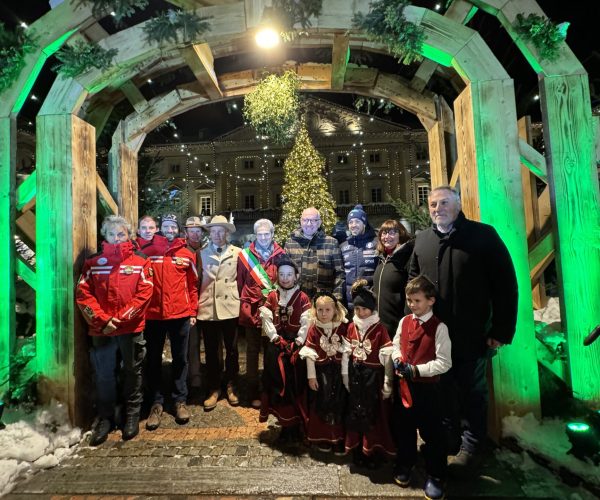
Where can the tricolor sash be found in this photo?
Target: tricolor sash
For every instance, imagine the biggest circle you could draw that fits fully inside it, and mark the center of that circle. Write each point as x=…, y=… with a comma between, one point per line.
x=256, y=270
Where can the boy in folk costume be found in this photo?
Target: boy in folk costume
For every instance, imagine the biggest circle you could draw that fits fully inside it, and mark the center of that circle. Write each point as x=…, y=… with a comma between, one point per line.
x=323, y=353
x=422, y=352
x=285, y=322
x=368, y=372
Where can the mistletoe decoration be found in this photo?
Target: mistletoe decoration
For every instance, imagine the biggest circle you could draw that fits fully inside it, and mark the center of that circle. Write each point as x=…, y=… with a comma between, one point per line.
x=121, y=8
x=173, y=23
x=385, y=23
x=81, y=57
x=543, y=33
x=14, y=46
x=272, y=107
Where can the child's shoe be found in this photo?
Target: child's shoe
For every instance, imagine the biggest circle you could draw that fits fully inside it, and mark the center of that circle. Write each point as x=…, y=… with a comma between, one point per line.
x=339, y=449
x=324, y=447
x=402, y=475
x=434, y=489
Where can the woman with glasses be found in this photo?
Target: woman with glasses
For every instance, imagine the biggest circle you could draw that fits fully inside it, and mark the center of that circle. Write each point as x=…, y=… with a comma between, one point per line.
x=391, y=275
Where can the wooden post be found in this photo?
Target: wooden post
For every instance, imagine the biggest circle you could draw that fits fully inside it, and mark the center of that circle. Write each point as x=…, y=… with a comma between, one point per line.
x=8, y=134
x=66, y=199
x=123, y=177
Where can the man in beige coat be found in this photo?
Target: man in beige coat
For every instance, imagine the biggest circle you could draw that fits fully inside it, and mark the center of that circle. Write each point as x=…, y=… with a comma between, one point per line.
x=219, y=308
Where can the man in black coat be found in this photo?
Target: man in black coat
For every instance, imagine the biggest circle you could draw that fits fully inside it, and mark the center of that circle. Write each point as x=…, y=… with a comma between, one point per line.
x=477, y=299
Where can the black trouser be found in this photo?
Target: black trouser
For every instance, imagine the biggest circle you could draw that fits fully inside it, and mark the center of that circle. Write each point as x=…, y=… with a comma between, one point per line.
x=212, y=332
x=103, y=355
x=465, y=394
x=426, y=416
x=156, y=332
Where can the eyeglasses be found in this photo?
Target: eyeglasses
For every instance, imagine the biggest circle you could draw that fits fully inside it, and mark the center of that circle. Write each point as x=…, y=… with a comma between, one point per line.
x=391, y=232
x=310, y=221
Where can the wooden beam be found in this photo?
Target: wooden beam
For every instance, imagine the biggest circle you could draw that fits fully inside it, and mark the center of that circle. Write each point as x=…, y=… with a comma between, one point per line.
x=397, y=90
x=200, y=59
x=540, y=251
x=26, y=223
x=26, y=272
x=105, y=200
x=455, y=175
x=134, y=96
x=340, y=55
x=26, y=191
x=123, y=176
x=437, y=155
x=460, y=11
x=66, y=164
x=97, y=113
x=533, y=160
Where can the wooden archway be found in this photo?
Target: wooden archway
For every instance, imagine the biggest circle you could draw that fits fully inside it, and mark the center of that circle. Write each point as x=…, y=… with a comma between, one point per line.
x=490, y=174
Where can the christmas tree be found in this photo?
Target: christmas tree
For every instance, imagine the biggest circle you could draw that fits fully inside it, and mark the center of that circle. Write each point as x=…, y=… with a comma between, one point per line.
x=304, y=186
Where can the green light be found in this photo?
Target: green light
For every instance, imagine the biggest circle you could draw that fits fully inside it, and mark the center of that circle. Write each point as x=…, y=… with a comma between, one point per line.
x=578, y=427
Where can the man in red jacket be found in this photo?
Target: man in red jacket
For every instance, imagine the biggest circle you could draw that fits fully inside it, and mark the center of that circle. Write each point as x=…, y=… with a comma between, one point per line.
x=172, y=311
x=113, y=293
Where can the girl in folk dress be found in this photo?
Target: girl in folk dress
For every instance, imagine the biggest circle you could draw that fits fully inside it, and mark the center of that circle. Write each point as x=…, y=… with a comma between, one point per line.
x=285, y=322
x=368, y=365
x=323, y=353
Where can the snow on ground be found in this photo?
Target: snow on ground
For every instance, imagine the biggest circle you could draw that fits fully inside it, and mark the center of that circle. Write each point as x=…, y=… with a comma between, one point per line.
x=549, y=440
x=34, y=441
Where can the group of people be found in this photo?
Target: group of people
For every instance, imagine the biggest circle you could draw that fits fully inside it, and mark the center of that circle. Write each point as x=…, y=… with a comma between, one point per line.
x=344, y=366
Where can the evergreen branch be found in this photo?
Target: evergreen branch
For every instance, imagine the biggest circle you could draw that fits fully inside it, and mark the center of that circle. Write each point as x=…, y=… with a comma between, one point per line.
x=81, y=57
x=14, y=46
x=121, y=8
x=385, y=23
x=292, y=12
x=417, y=216
x=545, y=35
x=170, y=25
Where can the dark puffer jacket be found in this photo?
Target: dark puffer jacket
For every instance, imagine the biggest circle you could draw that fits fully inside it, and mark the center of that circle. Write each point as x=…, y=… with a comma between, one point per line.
x=389, y=283
x=360, y=259
x=476, y=282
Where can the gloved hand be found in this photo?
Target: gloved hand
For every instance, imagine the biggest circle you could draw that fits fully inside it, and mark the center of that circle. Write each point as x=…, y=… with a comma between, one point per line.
x=407, y=371
x=387, y=388
x=397, y=364
x=299, y=341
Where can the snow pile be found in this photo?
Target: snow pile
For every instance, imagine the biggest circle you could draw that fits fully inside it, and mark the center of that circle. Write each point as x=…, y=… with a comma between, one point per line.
x=34, y=441
x=549, y=440
x=550, y=313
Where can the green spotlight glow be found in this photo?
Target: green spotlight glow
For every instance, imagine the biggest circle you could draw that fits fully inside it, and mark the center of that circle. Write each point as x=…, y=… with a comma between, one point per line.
x=578, y=427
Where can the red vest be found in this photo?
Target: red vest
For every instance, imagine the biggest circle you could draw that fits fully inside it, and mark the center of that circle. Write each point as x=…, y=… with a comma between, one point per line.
x=418, y=343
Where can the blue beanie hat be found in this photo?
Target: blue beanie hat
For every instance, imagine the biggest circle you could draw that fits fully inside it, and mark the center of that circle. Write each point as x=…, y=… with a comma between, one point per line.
x=358, y=213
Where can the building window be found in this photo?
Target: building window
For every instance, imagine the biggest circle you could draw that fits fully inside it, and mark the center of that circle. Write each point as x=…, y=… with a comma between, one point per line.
x=376, y=195
x=249, y=201
x=344, y=197
x=422, y=194
x=277, y=200
x=278, y=162
x=205, y=205
x=175, y=169
x=248, y=164
x=374, y=158
x=343, y=159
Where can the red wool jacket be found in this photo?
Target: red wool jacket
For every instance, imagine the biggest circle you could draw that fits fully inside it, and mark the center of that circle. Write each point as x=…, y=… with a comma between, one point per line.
x=115, y=283
x=175, y=280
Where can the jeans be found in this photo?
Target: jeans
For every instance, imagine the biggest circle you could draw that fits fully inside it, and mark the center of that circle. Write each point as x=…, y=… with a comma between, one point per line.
x=103, y=356
x=465, y=392
x=156, y=332
x=212, y=332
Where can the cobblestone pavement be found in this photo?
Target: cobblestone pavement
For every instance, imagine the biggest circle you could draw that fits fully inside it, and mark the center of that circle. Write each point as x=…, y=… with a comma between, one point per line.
x=227, y=453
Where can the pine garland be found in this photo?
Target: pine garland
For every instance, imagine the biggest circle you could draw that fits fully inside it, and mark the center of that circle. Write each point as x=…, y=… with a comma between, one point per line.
x=385, y=23
x=14, y=46
x=121, y=8
x=417, y=216
x=292, y=12
x=173, y=24
x=272, y=107
x=81, y=57
x=371, y=104
x=545, y=35
x=304, y=186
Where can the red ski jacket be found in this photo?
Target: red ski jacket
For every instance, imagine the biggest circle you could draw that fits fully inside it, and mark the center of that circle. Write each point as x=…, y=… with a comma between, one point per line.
x=115, y=283
x=175, y=280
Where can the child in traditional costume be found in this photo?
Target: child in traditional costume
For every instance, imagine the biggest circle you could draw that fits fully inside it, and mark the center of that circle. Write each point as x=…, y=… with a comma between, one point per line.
x=323, y=353
x=368, y=373
x=285, y=322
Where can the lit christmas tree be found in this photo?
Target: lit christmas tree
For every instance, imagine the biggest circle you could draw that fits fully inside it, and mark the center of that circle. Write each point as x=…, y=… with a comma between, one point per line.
x=304, y=186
